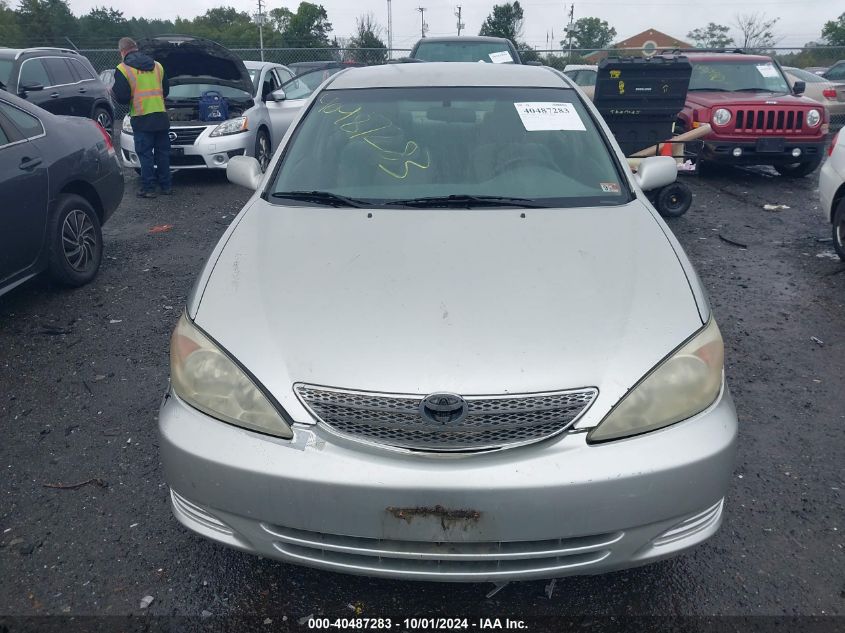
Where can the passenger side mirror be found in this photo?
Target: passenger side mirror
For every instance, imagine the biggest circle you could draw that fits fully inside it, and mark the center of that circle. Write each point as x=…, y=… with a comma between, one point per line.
x=799, y=87
x=29, y=86
x=655, y=172
x=278, y=95
x=244, y=171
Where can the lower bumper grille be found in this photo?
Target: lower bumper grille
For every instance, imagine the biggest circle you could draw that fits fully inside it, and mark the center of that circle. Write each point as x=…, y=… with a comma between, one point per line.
x=489, y=421
x=410, y=558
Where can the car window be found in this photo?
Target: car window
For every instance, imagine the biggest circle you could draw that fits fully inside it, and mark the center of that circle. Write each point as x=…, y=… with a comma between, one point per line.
x=33, y=71
x=836, y=72
x=270, y=83
x=4, y=140
x=59, y=70
x=5, y=71
x=301, y=86
x=284, y=74
x=587, y=77
x=464, y=52
x=82, y=73
x=393, y=144
x=28, y=125
x=737, y=76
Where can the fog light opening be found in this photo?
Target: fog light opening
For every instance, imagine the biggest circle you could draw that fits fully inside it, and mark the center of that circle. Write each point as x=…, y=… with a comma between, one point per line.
x=737, y=152
x=220, y=159
x=796, y=152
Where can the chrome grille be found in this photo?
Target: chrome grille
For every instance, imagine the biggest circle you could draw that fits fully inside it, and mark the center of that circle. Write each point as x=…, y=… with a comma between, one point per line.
x=491, y=421
x=754, y=120
x=186, y=135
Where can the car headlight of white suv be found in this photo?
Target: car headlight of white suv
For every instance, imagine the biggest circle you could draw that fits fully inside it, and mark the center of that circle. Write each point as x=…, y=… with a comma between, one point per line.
x=232, y=126
x=684, y=384
x=207, y=378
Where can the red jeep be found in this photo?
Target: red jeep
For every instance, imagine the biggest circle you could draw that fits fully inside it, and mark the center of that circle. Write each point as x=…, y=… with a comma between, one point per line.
x=756, y=118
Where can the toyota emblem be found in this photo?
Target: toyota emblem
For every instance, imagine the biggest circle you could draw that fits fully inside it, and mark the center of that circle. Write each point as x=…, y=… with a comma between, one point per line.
x=444, y=408
x=172, y=136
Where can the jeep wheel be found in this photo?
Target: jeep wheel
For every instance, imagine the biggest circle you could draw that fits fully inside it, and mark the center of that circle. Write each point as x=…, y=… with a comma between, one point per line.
x=839, y=230
x=799, y=170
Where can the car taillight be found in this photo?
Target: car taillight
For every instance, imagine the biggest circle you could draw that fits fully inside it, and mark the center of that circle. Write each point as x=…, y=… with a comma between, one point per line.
x=829, y=93
x=832, y=144
x=106, y=138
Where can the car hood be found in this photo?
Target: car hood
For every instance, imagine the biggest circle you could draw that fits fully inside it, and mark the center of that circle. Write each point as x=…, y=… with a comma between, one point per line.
x=715, y=99
x=469, y=301
x=191, y=60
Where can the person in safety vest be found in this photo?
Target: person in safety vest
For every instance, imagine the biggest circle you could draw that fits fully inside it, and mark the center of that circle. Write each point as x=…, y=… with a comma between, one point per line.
x=141, y=83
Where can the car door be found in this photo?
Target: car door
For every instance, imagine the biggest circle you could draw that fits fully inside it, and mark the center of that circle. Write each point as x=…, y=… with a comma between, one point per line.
x=33, y=74
x=71, y=101
x=23, y=190
x=276, y=111
x=88, y=86
x=297, y=92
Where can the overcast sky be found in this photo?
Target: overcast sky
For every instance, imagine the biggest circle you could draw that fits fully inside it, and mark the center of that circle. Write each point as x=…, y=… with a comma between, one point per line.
x=800, y=20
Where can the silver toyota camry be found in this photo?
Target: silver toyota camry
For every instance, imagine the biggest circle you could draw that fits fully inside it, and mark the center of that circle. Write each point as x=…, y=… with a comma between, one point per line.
x=449, y=339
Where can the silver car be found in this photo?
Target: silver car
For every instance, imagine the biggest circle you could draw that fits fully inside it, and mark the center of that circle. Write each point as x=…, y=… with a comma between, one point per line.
x=832, y=192
x=263, y=98
x=448, y=338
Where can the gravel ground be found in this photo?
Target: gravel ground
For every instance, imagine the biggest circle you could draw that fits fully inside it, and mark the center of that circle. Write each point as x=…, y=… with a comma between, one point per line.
x=82, y=373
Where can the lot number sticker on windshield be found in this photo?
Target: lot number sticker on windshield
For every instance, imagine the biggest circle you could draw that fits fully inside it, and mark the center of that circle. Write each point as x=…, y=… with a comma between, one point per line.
x=545, y=115
x=767, y=70
x=502, y=57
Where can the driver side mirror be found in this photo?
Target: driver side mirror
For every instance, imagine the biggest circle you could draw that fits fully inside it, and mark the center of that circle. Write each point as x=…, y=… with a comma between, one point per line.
x=29, y=86
x=655, y=172
x=799, y=87
x=278, y=95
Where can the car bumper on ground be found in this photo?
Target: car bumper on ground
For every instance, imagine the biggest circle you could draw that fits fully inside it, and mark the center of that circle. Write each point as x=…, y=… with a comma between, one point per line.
x=756, y=153
x=205, y=152
x=555, y=508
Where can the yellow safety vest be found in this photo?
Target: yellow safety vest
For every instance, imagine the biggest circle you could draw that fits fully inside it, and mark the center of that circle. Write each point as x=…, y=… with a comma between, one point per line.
x=147, y=91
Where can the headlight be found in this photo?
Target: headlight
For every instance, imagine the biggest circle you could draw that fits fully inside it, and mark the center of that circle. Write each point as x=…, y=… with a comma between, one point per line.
x=127, y=125
x=684, y=384
x=232, y=126
x=814, y=117
x=207, y=378
x=721, y=117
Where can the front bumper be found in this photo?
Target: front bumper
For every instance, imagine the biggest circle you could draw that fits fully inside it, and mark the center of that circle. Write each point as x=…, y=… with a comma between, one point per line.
x=555, y=508
x=721, y=151
x=205, y=153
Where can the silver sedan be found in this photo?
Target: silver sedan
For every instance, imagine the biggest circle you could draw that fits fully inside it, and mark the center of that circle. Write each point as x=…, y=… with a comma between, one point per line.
x=449, y=339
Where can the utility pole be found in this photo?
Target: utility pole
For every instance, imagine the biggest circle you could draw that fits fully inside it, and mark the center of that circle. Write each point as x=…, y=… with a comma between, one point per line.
x=259, y=18
x=571, y=18
x=461, y=25
x=423, y=25
x=389, y=31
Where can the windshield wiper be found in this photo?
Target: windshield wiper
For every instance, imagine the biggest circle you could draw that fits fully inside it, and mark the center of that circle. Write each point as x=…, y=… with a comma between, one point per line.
x=321, y=197
x=465, y=201
x=707, y=90
x=753, y=90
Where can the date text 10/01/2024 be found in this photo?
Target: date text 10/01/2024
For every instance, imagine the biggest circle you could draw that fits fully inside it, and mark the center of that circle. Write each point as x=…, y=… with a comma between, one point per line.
x=417, y=624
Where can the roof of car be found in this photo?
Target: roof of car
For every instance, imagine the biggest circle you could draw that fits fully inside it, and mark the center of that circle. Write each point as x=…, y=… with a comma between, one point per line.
x=259, y=65
x=19, y=52
x=720, y=57
x=448, y=74
x=464, y=38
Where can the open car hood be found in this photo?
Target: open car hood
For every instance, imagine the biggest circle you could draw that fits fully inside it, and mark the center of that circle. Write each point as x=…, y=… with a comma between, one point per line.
x=192, y=60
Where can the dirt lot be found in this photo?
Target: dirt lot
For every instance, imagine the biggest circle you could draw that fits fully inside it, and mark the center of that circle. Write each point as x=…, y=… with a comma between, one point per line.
x=82, y=373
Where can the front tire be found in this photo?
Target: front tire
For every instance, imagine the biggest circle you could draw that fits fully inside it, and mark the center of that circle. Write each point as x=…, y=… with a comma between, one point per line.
x=839, y=230
x=76, y=242
x=263, y=153
x=799, y=170
x=105, y=119
x=673, y=200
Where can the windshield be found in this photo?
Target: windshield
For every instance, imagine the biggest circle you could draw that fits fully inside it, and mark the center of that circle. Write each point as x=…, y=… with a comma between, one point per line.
x=496, y=52
x=194, y=91
x=383, y=145
x=737, y=76
x=5, y=71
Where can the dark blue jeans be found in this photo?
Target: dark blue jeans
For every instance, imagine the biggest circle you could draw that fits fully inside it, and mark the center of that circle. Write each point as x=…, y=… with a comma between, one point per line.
x=153, y=149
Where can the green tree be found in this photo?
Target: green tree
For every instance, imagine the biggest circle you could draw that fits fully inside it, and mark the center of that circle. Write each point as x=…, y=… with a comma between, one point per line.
x=101, y=25
x=222, y=24
x=834, y=31
x=309, y=27
x=591, y=34
x=366, y=45
x=711, y=36
x=10, y=33
x=756, y=31
x=46, y=22
x=506, y=21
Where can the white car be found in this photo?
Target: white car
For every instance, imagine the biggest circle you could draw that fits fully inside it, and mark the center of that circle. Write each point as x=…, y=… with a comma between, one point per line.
x=263, y=99
x=832, y=192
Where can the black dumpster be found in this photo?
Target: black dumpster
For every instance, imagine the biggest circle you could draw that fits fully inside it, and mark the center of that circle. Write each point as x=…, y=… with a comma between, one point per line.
x=640, y=97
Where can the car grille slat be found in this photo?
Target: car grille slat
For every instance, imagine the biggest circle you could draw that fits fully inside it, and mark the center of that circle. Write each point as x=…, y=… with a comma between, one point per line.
x=185, y=135
x=764, y=121
x=490, y=422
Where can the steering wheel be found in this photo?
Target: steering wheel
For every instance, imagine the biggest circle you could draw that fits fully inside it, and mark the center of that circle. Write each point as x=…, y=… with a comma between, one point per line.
x=536, y=161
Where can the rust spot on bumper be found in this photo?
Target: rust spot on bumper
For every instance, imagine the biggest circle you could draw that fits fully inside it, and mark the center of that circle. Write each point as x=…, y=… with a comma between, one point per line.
x=447, y=517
